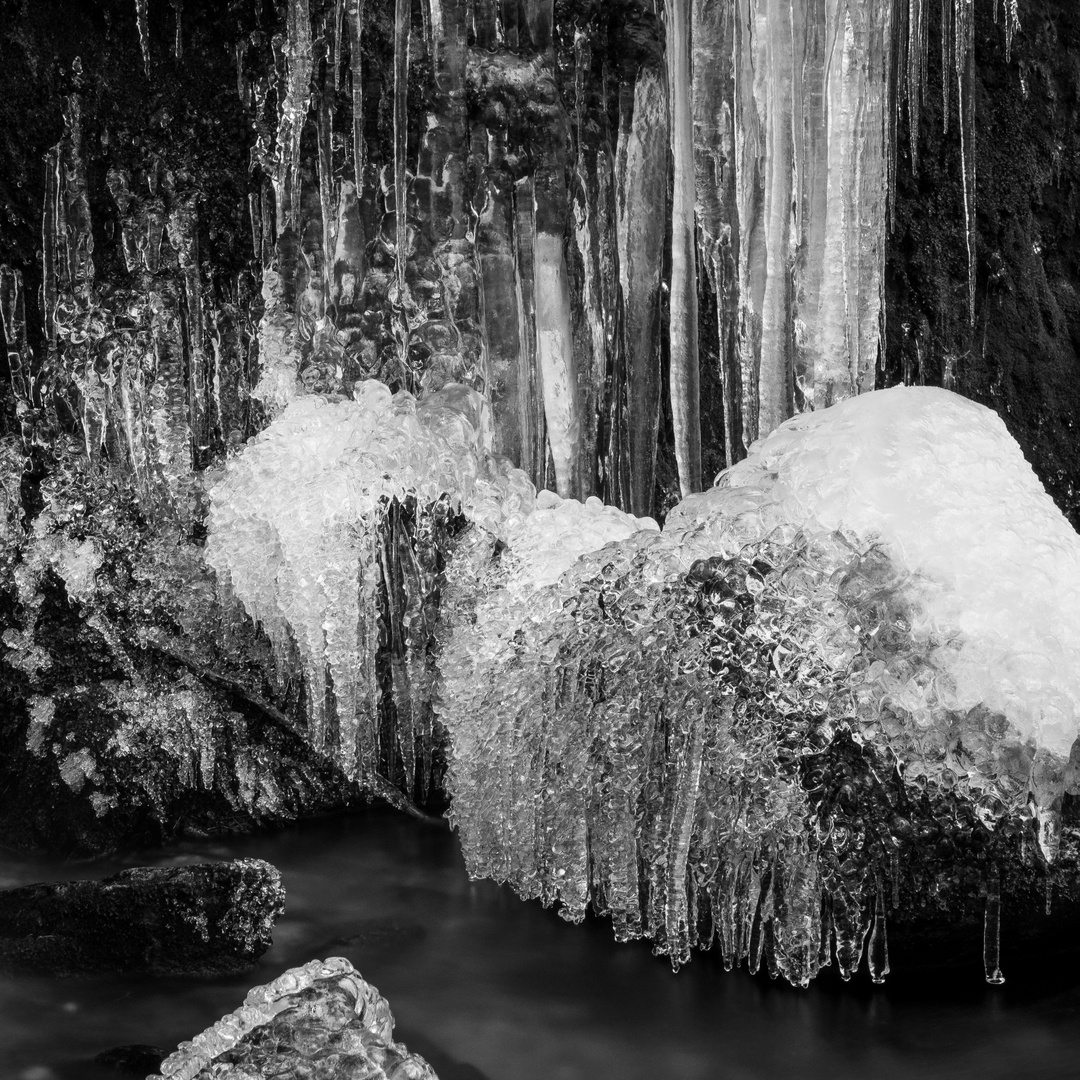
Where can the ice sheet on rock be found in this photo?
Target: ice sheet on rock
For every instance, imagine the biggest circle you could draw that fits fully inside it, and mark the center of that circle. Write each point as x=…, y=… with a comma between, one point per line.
x=331, y=528
x=965, y=591
x=616, y=734
x=320, y=1019
x=938, y=481
x=657, y=727
x=559, y=531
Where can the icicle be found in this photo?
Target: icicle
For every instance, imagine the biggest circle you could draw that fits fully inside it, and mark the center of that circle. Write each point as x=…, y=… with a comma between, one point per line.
x=178, y=39
x=992, y=930
x=915, y=85
x=774, y=372
x=683, y=303
x=294, y=109
x=402, y=38
x=749, y=196
x=530, y=395
x=964, y=46
x=13, y=318
x=1012, y=24
x=1047, y=793
x=143, y=24
x=642, y=184
x=594, y=232
x=356, y=77
x=1049, y=896
x=717, y=215
x=338, y=32
x=183, y=229
x=878, y=952
x=241, y=81
x=328, y=217
x=50, y=237
x=555, y=353
x=947, y=61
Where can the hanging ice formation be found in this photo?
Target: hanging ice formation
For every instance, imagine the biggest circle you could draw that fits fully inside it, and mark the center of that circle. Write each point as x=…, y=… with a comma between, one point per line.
x=729, y=729
x=332, y=529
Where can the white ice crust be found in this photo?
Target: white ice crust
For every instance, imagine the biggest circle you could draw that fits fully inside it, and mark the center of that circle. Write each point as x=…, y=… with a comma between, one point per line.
x=939, y=480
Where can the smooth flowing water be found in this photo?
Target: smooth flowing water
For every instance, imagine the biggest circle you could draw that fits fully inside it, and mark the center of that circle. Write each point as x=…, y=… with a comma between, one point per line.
x=486, y=986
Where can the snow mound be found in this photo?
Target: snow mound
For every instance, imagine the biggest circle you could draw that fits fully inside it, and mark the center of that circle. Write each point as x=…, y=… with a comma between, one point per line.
x=937, y=482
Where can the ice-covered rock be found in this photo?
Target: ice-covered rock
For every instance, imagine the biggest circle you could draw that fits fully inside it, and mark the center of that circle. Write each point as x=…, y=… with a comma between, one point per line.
x=559, y=531
x=939, y=483
x=973, y=606
x=794, y=706
x=332, y=527
x=321, y=1019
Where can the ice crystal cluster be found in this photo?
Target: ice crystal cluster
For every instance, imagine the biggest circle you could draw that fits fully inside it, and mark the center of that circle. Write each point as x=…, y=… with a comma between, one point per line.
x=703, y=732
x=321, y=1020
x=332, y=527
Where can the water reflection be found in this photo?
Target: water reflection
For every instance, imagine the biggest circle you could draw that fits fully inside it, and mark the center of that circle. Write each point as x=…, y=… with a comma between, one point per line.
x=490, y=988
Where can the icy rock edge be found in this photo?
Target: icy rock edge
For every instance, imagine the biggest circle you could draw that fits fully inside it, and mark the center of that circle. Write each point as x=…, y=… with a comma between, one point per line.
x=857, y=650
x=322, y=1015
x=332, y=527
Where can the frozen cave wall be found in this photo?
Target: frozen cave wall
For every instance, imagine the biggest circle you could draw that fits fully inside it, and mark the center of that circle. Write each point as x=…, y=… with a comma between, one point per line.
x=578, y=210
x=595, y=228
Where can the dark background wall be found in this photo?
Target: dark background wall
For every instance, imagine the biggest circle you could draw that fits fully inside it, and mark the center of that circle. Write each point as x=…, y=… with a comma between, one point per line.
x=1022, y=356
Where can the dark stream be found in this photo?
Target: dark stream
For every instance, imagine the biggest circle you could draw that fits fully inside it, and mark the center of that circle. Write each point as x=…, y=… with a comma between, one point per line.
x=486, y=986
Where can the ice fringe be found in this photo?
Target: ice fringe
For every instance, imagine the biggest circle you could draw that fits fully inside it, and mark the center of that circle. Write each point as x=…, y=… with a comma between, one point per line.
x=332, y=527
x=700, y=732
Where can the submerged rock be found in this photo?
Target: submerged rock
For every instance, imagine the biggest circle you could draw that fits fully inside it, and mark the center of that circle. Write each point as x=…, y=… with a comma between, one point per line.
x=135, y=1060
x=321, y=1019
x=208, y=919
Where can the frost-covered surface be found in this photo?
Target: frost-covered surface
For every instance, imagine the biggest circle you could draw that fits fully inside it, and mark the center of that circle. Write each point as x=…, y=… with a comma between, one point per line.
x=940, y=483
x=699, y=732
x=321, y=1019
x=559, y=531
x=331, y=528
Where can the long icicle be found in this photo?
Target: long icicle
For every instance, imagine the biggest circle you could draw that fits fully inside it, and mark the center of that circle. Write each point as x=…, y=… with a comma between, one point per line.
x=683, y=327
x=964, y=57
x=356, y=75
x=143, y=23
x=294, y=111
x=402, y=38
x=992, y=930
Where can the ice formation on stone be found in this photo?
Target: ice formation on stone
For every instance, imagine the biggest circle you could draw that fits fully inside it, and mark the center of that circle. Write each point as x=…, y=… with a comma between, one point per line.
x=984, y=570
x=322, y=1019
x=703, y=732
x=332, y=527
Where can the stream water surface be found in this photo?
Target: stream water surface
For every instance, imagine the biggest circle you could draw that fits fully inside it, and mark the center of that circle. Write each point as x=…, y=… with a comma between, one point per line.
x=487, y=987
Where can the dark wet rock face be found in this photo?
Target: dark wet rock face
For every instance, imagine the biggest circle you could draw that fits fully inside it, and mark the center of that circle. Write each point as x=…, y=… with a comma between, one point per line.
x=208, y=919
x=1020, y=356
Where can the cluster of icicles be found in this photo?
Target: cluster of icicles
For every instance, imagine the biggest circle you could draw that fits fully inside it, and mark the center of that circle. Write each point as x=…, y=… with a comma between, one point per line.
x=642, y=720
x=332, y=528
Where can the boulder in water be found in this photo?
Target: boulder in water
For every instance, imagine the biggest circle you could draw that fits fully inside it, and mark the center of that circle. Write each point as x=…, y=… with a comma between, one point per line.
x=207, y=919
